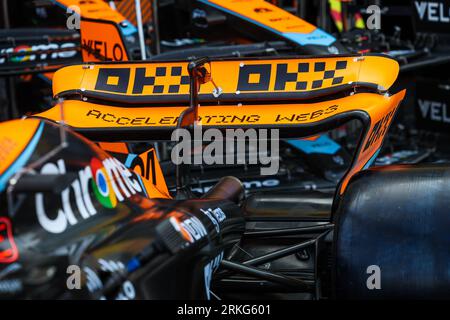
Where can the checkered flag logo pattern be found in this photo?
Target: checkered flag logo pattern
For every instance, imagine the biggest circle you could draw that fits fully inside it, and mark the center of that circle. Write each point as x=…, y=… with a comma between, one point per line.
x=175, y=72
x=328, y=74
x=289, y=81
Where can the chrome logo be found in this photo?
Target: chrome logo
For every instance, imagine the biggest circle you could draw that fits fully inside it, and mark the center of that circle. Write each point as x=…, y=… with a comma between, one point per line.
x=39, y=52
x=101, y=185
x=26, y=57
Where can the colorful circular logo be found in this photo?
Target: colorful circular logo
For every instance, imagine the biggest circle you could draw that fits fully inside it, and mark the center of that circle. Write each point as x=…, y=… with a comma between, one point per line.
x=101, y=185
x=26, y=57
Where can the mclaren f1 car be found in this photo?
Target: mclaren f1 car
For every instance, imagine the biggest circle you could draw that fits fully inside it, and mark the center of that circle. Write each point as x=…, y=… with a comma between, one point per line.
x=75, y=202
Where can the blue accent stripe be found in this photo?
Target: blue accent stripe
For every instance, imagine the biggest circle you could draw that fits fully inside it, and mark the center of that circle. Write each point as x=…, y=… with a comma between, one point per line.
x=316, y=37
x=128, y=29
x=128, y=163
x=142, y=185
x=44, y=78
x=59, y=4
x=130, y=159
x=323, y=145
x=371, y=160
x=22, y=159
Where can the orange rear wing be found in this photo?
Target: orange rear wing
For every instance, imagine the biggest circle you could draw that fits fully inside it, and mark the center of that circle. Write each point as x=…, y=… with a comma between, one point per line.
x=109, y=123
x=240, y=81
x=256, y=108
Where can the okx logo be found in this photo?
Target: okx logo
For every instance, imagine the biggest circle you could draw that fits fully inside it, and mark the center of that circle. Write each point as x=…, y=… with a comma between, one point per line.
x=109, y=181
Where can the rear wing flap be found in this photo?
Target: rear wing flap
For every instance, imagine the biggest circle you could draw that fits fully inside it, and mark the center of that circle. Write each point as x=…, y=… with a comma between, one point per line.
x=236, y=81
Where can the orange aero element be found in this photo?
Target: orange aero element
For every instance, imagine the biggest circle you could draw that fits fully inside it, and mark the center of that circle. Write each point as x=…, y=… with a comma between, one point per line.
x=374, y=110
x=145, y=164
x=15, y=136
x=265, y=80
x=84, y=115
x=380, y=120
x=152, y=174
x=131, y=83
x=115, y=147
x=266, y=14
x=102, y=41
